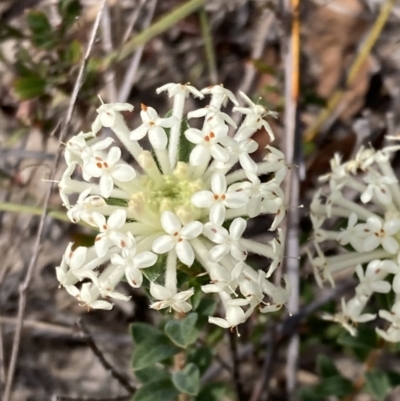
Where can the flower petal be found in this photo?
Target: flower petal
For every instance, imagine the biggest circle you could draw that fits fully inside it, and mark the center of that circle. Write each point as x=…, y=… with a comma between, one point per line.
x=203, y=199
x=217, y=213
x=158, y=138
x=170, y=223
x=237, y=228
x=185, y=253
x=117, y=219
x=134, y=277
x=145, y=259
x=123, y=173
x=199, y=155
x=163, y=244
x=192, y=230
x=218, y=184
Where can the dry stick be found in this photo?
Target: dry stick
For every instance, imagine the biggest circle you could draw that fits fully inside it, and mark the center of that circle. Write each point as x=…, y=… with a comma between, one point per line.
x=132, y=21
x=261, y=385
x=18, y=208
x=264, y=26
x=354, y=69
x=237, y=379
x=208, y=46
x=130, y=73
x=109, y=75
x=25, y=284
x=122, y=380
x=292, y=151
x=160, y=26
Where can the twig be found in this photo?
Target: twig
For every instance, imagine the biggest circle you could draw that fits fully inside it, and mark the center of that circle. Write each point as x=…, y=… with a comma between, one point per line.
x=25, y=284
x=160, y=26
x=106, y=40
x=208, y=46
x=2, y=361
x=237, y=379
x=353, y=71
x=132, y=21
x=17, y=208
x=122, y=380
x=250, y=72
x=293, y=155
x=261, y=385
x=130, y=73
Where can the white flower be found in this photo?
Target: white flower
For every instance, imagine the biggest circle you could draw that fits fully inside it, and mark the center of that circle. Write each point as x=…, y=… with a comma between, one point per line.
x=234, y=316
x=88, y=296
x=372, y=280
x=109, y=170
x=378, y=233
x=154, y=127
x=392, y=334
x=378, y=186
x=132, y=262
x=178, y=237
x=255, y=114
x=220, y=95
x=218, y=199
x=170, y=299
x=176, y=203
x=223, y=279
x=213, y=116
x=207, y=144
x=110, y=233
x=107, y=115
x=227, y=242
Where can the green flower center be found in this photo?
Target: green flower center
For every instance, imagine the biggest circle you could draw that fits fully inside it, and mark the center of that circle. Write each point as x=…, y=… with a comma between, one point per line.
x=171, y=192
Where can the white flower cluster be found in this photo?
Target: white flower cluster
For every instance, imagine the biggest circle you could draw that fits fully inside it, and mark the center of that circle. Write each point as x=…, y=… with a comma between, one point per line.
x=372, y=234
x=182, y=200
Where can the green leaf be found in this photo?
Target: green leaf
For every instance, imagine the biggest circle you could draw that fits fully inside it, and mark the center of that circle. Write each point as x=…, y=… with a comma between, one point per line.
x=205, y=309
x=153, y=373
x=334, y=385
x=326, y=367
x=157, y=390
x=158, y=269
x=29, y=86
x=69, y=10
x=201, y=357
x=377, y=383
x=212, y=392
x=151, y=350
x=187, y=380
x=309, y=394
x=394, y=378
x=41, y=30
x=365, y=338
x=73, y=53
x=185, y=147
x=143, y=331
x=183, y=332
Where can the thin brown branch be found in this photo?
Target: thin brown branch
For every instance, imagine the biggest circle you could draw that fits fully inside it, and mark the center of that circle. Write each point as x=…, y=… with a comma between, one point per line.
x=122, y=380
x=292, y=185
x=23, y=289
x=106, y=40
x=236, y=376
